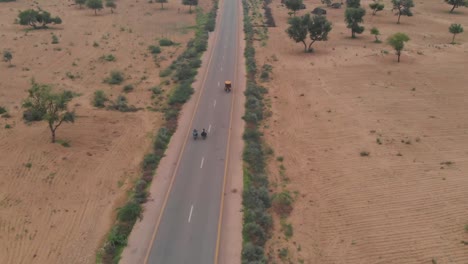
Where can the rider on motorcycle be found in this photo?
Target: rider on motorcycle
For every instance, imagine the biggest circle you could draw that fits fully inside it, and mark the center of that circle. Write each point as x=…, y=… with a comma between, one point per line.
x=195, y=133
x=203, y=133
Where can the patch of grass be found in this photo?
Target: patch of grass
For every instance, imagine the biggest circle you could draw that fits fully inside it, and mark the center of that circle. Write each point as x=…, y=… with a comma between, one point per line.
x=128, y=88
x=64, y=143
x=434, y=261
x=283, y=253
x=165, y=72
x=165, y=42
x=107, y=57
x=280, y=158
x=378, y=141
x=28, y=165
x=266, y=71
x=115, y=77
x=282, y=203
x=95, y=44
x=2, y=110
x=364, y=153
x=466, y=228
x=287, y=229
x=8, y=126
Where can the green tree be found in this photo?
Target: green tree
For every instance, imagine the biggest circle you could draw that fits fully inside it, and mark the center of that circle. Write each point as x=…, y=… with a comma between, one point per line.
x=94, y=4
x=53, y=107
x=375, y=31
x=354, y=16
x=298, y=29
x=457, y=3
x=162, y=3
x=353, y=3
x=397, y=41
x=7, y=56
x=80, y=2
x=37, y=19
x=111, y=4
x=376, y=7
x=455, y=29
x=293, y=5
x=318, y=27
x=190, y=3
x=327, y=2
x=403, y=8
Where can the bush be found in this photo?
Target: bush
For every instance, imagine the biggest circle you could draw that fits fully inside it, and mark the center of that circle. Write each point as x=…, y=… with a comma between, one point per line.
x=256, y=197
x=55, y=39
x=259, y=216
x=150, y=162
x=130, y=212
x=116, y=77
x=252, y=254
x=165, y=42
x=31, y=115
x=181, y=93
x=99, y=99
x=121, y=105
x=282, y=203
x=195, y=63
x=128, y=88
x=156, y=90
x=185, y=72
x=154, y=49
x=2, y=110
x=162, y=139
x=254, y=233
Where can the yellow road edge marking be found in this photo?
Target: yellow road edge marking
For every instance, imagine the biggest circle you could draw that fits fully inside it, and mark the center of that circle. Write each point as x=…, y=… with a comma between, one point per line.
x=220, y=219
x=166, y=198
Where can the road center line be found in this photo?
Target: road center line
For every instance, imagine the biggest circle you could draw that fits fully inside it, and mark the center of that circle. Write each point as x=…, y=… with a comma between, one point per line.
x=214, y=103
x=202, y=160
x=190, y=216
x=218, y=84
x=209, y=128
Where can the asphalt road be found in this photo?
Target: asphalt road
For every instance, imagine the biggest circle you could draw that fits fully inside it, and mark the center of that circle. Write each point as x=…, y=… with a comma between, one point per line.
x=188, y=229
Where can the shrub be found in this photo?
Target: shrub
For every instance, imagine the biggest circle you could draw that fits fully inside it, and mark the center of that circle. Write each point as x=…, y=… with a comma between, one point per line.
x=150, y=162
x=37, y=18
x=130, y=212
x=259, y=216
x=256, y=197
x=165, y=42
x=156, y=90
x=116, y=77
x=55, y=39
x=252, y=254
x=128, y=88
x=99, y=99
x=2, y=110
x=185, y=72
x=121, y=105
x=282, y=203
x=287, y=229
x=255, y=233
x=154, y=49
x=181, y=93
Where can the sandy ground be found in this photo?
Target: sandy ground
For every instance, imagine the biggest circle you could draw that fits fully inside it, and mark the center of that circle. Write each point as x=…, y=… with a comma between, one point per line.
x=406, y=201
x=56, y=203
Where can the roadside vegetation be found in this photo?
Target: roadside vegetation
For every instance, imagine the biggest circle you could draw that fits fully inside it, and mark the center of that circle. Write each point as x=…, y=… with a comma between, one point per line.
x=183, y=70
x=256, y=200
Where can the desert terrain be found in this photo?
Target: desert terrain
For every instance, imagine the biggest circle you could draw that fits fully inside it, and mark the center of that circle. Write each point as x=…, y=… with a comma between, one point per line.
x=405, y=202
x=57, y=203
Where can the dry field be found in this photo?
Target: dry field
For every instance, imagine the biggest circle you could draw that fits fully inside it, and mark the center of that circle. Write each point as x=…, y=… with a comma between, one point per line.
x=57, y=203
x=407, y=201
